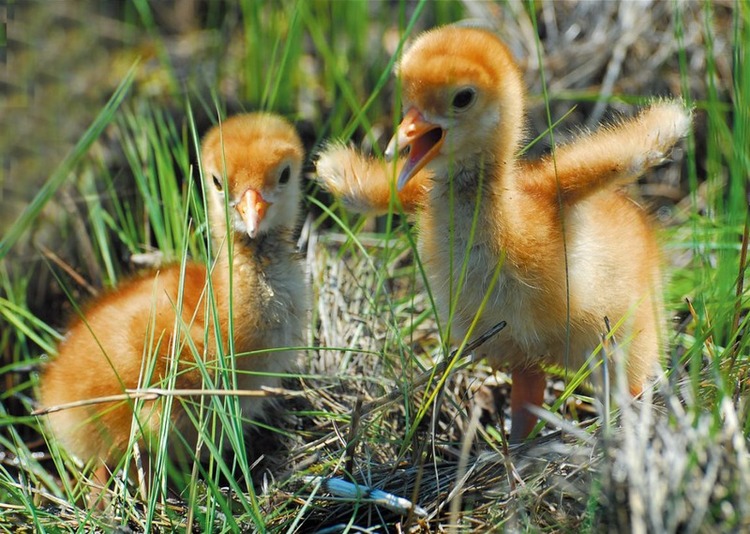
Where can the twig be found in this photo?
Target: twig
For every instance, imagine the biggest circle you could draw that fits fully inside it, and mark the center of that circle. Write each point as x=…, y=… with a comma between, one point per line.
x=351, y=441
x=155, y=393
x=461, y=472
x=54, y=258
x=605, y=369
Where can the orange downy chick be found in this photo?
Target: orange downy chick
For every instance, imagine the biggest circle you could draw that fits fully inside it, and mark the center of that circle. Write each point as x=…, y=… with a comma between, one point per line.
x=572, y=248
x=152, y=331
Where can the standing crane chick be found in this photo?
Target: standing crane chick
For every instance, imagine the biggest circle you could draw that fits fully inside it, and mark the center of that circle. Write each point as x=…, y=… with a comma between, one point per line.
x=572, y=248
x=161, y=330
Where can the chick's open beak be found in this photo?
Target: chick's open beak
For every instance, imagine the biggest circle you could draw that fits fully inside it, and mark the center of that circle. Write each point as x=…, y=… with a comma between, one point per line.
x=252, y=208
x=424, y=140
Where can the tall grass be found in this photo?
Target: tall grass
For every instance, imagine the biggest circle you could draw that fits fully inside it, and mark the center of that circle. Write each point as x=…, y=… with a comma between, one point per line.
x=328, y=58
x=716, y=270
x=104, y=118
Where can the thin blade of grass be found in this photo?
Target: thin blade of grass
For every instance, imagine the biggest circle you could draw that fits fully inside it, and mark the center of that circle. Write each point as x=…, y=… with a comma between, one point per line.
x=102, y=120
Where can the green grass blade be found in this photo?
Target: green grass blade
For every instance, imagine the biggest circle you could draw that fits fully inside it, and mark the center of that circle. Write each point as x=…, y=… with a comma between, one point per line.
x=105, y=117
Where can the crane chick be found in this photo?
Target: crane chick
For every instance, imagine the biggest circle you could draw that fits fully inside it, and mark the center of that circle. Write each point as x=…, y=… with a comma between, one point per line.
x=185, y=326
x=572, y=248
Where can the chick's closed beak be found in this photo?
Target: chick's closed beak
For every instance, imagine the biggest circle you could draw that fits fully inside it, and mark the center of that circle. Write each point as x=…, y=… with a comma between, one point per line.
x=252, y=208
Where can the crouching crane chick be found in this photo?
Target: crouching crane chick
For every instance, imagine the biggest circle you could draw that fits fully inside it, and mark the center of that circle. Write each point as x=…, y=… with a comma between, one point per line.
x=162, y=330
x=572, y=247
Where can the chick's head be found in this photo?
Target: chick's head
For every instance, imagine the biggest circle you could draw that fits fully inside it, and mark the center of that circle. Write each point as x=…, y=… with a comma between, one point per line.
x=252, y=166
x=462, y=94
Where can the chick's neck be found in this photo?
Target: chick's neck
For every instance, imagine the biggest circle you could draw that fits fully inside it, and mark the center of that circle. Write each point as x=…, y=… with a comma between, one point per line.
x=258, y=253
x=479, y=186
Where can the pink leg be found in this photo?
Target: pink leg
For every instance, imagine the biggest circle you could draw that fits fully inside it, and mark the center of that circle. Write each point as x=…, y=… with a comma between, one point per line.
x=97, y=496
x=529, y=383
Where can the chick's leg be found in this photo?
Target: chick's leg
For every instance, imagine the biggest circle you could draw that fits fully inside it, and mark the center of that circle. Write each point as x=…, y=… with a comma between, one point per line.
x=100, y=477
x=529, y=383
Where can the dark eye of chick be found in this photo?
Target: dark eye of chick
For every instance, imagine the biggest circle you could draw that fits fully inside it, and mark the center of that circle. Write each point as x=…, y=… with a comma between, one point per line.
x=463, y=99
x=285, y=175
x=217, y=183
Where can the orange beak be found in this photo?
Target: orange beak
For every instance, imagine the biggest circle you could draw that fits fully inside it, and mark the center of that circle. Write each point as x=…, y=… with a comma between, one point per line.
x=424, y=140
x=252, y=208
